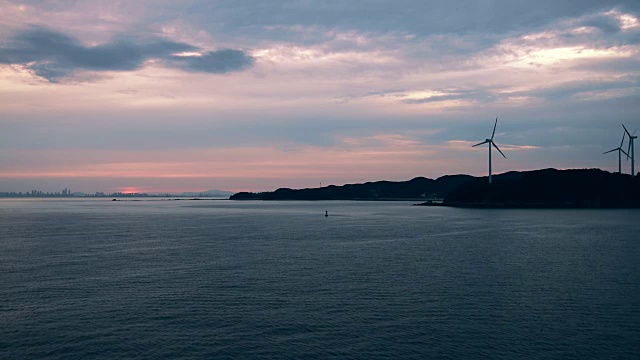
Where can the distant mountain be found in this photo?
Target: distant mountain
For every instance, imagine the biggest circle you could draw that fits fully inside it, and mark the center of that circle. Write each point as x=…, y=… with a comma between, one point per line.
x=209, y=193
x=550, y=188
x=417, y=188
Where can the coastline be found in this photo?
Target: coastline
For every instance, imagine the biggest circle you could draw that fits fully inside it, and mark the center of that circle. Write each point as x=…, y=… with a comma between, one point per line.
x=545, y=205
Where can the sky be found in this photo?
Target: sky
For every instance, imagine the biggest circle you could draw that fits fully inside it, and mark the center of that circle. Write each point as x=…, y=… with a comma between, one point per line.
x=155, y=96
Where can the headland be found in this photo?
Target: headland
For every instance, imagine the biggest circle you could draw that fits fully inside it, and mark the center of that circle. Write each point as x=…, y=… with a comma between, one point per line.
x=546, y=188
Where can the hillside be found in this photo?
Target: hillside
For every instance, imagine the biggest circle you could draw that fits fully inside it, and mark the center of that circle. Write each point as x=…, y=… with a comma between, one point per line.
x=546, y=188
x=380, y=190
x=588, y=188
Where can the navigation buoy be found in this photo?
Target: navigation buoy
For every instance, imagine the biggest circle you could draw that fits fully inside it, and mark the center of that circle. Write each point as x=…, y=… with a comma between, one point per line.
x=326, y=213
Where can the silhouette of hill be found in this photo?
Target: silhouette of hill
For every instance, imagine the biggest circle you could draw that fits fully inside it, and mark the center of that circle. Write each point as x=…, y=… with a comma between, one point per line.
x=549, y=188
x=546, y=188
x=380, y=190
x=211, y=193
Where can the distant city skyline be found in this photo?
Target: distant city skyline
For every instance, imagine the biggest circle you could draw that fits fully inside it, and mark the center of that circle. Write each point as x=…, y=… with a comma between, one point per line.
x=66, y=193
x=165, y=96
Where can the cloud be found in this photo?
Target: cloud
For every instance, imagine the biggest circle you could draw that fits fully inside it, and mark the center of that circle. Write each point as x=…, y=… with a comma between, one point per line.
x=451, y=94
x=330, y=83
x=423, y=17
x=54, y=55
x=574, y=88
x=217, y=62
x=607, y=24
x=618, y=65
x=468, y=146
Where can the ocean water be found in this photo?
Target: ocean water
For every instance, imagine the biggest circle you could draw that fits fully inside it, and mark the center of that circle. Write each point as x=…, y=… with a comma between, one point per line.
x=95, y=279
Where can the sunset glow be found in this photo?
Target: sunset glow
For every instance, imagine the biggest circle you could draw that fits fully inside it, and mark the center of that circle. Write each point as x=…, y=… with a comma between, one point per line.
x=254, y=102
x=131, y=190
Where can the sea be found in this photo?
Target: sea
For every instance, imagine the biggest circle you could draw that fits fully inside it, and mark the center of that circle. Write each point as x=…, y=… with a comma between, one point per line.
x=220, y=279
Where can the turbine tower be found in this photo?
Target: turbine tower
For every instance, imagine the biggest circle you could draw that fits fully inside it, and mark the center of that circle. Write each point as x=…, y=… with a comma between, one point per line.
x=491, y=144
x=631, y=150
x=620, y=152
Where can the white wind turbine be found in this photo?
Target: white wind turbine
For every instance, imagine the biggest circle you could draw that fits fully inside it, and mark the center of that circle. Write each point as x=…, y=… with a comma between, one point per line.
x=631, y=150
x=491, y=144
x=620, y=152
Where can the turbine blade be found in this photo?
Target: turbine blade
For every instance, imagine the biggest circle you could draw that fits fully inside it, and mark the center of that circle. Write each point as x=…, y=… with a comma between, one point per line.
x=625, y=130
x=629, y=150
x=624, y=152
x=484, y=142
x=622, y=142
x=497, y=148
x=610, y=151
x=494, y=128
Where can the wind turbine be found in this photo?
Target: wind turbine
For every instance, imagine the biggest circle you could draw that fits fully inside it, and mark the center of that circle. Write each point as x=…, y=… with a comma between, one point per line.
x=491, y=144
x=620, y=152
x=631, y=150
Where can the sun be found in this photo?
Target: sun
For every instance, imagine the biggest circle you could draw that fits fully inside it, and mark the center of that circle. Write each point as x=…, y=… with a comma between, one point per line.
x=130, y=190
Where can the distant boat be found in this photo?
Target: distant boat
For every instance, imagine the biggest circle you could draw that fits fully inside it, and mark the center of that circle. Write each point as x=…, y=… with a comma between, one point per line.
x=326, y=213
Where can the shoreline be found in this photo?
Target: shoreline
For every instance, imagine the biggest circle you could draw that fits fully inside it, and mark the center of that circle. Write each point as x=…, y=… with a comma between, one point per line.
x=531, y=205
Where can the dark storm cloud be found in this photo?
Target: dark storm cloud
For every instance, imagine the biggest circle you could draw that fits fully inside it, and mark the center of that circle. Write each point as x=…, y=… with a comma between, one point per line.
x=54, y=55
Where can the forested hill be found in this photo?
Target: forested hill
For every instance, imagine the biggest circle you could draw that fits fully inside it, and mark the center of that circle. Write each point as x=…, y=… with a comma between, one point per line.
x=417, y=188
x=538, y=188
x=588, y=188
